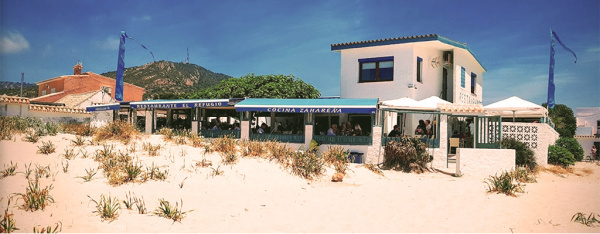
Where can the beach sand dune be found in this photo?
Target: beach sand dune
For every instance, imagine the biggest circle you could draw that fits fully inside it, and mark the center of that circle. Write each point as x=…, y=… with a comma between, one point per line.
x=258, y=195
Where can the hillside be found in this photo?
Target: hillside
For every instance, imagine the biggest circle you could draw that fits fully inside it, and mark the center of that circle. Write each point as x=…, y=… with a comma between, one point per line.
x=14, y=89
x=164, y=79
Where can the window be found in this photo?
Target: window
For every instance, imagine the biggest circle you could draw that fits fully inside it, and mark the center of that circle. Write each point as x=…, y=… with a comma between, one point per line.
x=462, y=77
x=376, y=69
x=53, y=90
x=43, y=92
x=473, y=82
x=419, y=69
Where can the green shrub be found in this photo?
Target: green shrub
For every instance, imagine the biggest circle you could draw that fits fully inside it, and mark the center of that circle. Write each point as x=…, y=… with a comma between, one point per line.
x=524, y=156
x=560, y=156
x=407, y=154
x=572, y=146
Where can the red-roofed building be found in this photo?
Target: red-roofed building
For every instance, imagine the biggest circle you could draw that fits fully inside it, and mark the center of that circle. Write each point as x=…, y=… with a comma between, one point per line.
x=54, y=89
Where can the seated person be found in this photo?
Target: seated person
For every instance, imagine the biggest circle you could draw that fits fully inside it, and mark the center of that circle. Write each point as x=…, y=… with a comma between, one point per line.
x=395, y=132
x=217, y=126
x=357, y=130
x=421, y=128
x=332, y=131
x=236, y=126
x=263, y=128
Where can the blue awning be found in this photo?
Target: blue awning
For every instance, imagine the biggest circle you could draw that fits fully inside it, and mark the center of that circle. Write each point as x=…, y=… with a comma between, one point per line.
x=186, y=103
x=334, y=106
x=113, y=106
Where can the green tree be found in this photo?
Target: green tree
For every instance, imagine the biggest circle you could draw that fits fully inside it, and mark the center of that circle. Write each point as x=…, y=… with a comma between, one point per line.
x=264, y=86
x=572, y=146
x=564, y=120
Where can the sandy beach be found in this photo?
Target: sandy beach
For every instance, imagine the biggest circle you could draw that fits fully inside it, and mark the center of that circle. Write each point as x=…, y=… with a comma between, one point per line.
x=257, y=195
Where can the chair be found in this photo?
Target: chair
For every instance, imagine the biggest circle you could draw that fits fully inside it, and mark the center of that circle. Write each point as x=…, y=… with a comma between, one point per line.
x=454, y=142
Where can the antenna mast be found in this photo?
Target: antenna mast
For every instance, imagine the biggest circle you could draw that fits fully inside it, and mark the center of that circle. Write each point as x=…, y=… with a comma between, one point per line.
x=187, y=60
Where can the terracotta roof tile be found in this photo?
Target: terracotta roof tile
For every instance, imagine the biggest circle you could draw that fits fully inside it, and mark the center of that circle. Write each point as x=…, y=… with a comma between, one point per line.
x=72, y=100
x=58, y=109
x=13, y=99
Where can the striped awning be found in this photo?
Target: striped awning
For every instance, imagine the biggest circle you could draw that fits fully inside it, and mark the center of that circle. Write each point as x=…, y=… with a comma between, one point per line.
x=334, y=106
x=186, y=103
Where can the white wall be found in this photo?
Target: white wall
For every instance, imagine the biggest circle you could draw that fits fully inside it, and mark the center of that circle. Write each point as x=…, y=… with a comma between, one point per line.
x=403, y=70
x=462, y=58
x=538, y=136
x=99, y=97
x=586, y=144
x=14, y=109
x=405, y=64
x=587, y=119
x=484, y=162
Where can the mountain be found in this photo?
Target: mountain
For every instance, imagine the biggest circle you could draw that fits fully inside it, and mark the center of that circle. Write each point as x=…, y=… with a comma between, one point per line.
x=164, y=79
x=14, y=89
x=13, y=85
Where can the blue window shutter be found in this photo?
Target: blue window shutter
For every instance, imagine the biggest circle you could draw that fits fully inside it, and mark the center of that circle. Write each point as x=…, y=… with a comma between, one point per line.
x=462, y=77
x=379, y=59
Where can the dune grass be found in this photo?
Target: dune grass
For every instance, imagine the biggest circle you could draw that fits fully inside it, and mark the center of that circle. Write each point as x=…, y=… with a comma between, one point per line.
x=36, y=197
x=107, y=207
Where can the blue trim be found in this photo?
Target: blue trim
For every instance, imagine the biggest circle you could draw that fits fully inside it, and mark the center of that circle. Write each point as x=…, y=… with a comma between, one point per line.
x=473, y=75
x=394, y=41
x=303, y=110
x=335, y=106
x=419, y=59
x=379, y=59
x=115, y=106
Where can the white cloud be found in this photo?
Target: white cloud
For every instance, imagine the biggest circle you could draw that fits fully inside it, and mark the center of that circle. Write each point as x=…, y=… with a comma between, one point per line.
x=14, y=42
x=110, y=43
x=142, y=18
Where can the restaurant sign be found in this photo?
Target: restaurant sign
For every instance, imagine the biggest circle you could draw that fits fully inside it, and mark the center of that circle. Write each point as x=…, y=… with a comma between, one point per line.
x=171, y=105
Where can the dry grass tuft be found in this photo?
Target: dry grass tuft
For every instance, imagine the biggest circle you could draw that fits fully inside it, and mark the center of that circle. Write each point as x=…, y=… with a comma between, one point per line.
x=118, y=130
x=561, y=171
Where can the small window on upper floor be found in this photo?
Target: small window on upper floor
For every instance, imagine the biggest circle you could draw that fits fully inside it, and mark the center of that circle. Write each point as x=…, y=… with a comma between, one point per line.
x=43, y=92
x=462, y=77
x=376, y=69
x=473, y=82
x=419, y=70
x=53, y=90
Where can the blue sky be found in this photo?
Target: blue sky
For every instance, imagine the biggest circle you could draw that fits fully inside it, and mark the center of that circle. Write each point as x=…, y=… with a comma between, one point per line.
x=45, y=39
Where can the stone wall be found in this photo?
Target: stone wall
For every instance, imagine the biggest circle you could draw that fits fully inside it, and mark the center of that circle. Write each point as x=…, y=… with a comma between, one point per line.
x=538, y=136
x=484, y=162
